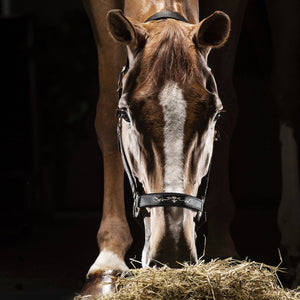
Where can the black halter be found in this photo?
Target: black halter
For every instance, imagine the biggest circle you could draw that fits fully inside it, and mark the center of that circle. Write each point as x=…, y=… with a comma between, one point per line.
x=166, y=14
x=159, y=199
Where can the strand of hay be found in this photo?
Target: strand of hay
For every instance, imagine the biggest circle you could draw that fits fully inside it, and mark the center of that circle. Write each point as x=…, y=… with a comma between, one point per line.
x=217, y=279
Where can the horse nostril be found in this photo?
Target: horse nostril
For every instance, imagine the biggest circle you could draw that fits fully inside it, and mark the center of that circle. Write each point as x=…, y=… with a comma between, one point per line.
x=153, y=264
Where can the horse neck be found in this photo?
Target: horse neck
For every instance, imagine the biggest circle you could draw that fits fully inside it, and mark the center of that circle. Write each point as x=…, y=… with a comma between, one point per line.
x=141, y=10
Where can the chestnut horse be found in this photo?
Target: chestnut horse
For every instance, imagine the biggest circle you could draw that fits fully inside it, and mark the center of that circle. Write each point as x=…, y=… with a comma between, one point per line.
x=168, y=108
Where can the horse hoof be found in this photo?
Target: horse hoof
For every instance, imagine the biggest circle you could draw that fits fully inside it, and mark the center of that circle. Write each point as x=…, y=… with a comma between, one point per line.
x=99, y=284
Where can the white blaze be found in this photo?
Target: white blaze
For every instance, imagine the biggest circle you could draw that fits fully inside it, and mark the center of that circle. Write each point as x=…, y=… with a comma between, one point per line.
x=174, y=110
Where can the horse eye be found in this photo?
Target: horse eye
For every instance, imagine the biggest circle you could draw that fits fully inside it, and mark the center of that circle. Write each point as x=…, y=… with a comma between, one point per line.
x=122, y=113
x=217, y=116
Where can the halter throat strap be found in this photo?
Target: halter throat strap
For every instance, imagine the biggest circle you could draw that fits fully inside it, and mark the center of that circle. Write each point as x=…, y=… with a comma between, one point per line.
x=167, y=14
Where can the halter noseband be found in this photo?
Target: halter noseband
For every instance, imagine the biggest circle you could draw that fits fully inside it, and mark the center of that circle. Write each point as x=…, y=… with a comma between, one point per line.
x=159, y=199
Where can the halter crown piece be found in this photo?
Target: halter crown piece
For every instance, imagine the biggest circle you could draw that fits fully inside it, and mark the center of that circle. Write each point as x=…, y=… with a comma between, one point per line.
x=160, y=199
x=166, y=14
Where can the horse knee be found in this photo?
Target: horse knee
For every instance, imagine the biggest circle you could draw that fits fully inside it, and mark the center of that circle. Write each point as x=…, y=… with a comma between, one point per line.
x=114, y=233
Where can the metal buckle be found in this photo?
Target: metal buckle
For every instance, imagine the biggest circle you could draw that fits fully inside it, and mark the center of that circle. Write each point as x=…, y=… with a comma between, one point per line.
x=200, y=219
x=136, y=208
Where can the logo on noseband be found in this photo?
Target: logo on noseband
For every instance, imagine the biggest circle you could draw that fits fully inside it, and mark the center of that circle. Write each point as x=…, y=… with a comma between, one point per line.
x=172, y=199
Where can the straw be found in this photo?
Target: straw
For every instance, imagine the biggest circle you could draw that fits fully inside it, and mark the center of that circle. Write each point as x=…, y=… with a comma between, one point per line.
x=217, y=280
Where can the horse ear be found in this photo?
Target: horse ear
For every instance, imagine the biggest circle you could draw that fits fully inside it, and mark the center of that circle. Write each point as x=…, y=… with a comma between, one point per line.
x=122, y=29
x=213, y=31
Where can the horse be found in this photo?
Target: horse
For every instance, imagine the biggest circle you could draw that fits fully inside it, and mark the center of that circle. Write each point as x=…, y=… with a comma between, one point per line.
x=167, y=108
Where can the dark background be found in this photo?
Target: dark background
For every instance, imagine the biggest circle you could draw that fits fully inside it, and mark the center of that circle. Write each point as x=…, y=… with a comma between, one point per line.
x=51, y=167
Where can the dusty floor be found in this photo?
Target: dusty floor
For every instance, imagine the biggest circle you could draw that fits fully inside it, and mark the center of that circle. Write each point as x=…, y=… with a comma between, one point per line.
x=47, y=260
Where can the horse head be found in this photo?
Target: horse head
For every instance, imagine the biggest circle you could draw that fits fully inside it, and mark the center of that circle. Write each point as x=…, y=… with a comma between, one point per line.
x=168, y=111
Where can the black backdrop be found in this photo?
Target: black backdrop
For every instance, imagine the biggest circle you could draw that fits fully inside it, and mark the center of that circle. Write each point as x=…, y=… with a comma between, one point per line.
x=51, y=168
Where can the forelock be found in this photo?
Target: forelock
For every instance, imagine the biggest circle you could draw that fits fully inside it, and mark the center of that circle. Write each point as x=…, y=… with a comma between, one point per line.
x=168, y=54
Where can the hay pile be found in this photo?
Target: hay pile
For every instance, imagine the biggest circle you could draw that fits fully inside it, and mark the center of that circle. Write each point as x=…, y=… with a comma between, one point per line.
x=217, y=279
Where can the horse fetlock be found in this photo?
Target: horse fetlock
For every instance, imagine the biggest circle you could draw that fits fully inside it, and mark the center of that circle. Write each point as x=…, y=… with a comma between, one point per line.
x=107, y=260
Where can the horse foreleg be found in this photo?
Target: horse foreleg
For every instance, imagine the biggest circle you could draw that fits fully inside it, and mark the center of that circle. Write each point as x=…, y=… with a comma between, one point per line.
x=286, y=93
x=220, y=206
x=114, y=236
